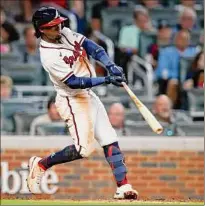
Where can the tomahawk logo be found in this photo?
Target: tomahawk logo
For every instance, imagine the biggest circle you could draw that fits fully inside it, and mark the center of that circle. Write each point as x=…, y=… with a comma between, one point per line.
x=13, y=182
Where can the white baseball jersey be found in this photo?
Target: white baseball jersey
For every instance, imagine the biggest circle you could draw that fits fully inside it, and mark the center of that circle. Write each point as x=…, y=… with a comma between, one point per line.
x=81, y=109
x=64, y=59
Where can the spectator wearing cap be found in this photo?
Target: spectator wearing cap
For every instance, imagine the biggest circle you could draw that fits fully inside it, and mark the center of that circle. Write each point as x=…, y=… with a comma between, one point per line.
x=6, y=87
x=163, y=39
x=167, y=72
x=187, y=20
x=97, y=9
x=51, y=116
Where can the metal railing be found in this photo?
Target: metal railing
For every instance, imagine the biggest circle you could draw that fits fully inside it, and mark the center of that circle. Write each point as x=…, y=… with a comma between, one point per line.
x=21, y=90
x=147, y=76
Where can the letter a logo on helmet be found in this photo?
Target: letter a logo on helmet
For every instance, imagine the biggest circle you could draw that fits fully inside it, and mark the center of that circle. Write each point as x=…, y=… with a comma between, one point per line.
x=46, y=17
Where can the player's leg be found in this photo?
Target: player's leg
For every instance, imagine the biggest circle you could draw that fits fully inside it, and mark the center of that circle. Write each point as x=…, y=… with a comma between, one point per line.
x=107, y=138
x=75, y=111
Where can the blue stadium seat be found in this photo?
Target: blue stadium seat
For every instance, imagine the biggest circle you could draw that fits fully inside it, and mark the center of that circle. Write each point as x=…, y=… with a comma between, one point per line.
x=184, y=66
x=23, y=73
x=113, y=19
x=54, y=128
x=23, y=120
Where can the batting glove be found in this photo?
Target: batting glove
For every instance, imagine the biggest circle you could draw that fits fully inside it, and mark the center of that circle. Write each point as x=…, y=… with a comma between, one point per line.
x=115, y=70
x=115, y=80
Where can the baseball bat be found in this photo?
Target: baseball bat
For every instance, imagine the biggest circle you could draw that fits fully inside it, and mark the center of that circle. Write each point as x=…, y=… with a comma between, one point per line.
x=148, y=116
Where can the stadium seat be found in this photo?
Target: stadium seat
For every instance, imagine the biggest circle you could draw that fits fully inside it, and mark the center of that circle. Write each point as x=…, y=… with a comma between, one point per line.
x=113, y=19
x=23, y=73
x=184, y=66
x=7, y=59
x=22, y=121
x=196, y=99
x=54, y=128
x=88, y=6
x=120, y=92
x=192, y=129
x=168, y=14
x=139, y=129
x=147, y=103
x=133, y=115
x=11, y=106
x=200, y=17
x=195, y=36
x=146, y=39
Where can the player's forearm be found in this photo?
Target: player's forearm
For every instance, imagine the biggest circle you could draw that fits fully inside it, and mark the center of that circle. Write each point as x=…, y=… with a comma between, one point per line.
x=84, y=82
x=97, y=52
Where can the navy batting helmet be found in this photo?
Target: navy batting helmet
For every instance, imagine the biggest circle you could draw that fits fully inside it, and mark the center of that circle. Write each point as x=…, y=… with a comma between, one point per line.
x=46, y=17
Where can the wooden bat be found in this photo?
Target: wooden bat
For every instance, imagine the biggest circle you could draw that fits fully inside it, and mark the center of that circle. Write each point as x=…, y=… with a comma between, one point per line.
x=148, y=116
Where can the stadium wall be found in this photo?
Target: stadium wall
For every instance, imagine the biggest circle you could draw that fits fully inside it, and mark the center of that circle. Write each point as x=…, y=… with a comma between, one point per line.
x=159, y=168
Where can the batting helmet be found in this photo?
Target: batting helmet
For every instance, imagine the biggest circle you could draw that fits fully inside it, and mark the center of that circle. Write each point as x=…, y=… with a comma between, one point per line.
x=46, y=17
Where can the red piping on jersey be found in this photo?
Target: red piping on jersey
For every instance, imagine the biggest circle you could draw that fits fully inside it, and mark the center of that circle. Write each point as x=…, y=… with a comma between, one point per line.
x=80, y=42
x=70, y=42
x=71, y=111
x=67, y=40
x=67, y=76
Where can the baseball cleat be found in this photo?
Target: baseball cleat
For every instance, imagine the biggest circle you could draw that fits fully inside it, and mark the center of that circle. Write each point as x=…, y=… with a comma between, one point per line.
x=126, y=192
x=35, y=175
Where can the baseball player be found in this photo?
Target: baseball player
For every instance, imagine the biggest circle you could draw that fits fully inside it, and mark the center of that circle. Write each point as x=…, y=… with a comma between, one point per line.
x=64, y=56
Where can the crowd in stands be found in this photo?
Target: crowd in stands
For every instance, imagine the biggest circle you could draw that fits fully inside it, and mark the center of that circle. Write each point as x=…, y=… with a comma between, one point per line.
x=172, y=46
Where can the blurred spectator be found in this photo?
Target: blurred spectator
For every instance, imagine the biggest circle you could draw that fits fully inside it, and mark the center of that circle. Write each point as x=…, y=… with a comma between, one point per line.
x=8, y=31
x=167, y=72
x=162, y=109
x=163, y=39
x=51, y=116
x=187, y=20
x=129, y=35
x=116, y=114
x=61, y=3
x=189, y=3
x=195, y=76
x=97, y=8
x=20, y=11
x=201, y=39
x=29, y=52
x=150, y=4
x=79, y=11
x=6, y=87
x=4, y=48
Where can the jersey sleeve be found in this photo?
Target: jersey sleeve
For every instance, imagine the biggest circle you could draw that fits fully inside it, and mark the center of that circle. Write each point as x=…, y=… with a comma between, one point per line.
x=72, y=36
x=59, y=69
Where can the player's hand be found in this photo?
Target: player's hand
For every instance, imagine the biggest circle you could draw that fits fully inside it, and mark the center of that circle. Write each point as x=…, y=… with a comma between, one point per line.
x=115, y=70
x=115, y=80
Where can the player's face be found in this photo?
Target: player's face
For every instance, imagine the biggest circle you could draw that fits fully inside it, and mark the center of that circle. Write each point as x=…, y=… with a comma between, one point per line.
x=53, y=32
